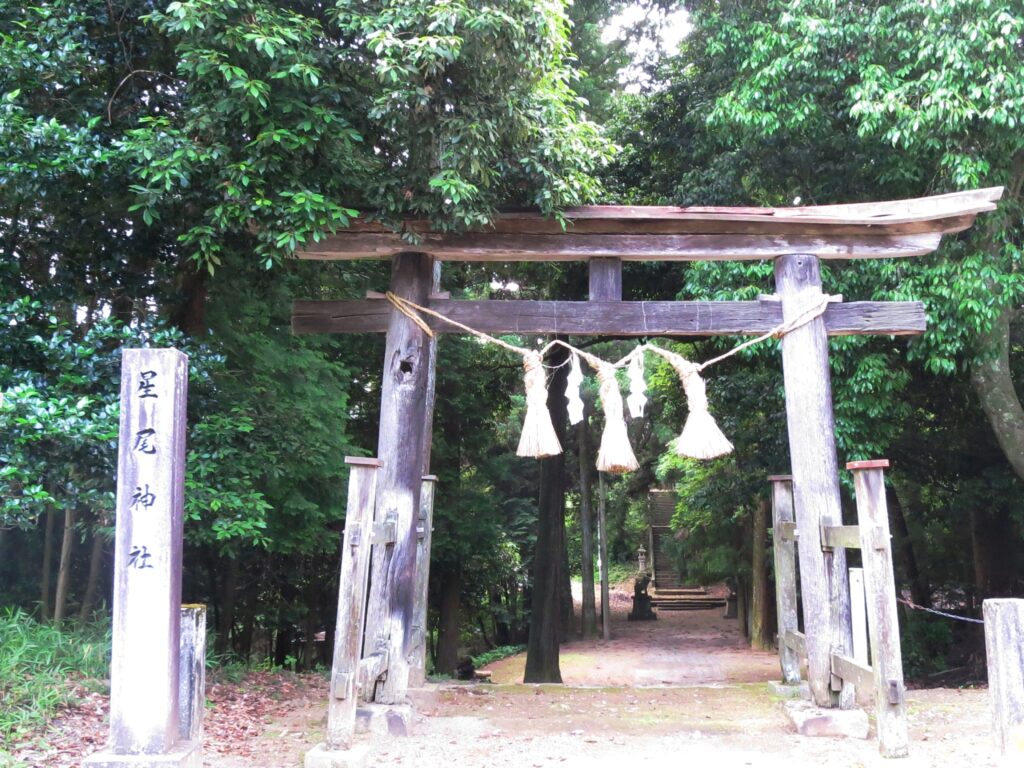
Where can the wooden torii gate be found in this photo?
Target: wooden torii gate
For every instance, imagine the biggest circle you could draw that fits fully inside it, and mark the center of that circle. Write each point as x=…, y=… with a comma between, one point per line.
x=605, y=236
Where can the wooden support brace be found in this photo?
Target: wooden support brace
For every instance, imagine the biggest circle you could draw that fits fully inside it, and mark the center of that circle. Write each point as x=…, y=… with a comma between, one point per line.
x=424, y=532
x=883, y=621
x=859, y=674
x=844, y=536
x=797, y=642
x=785, y=573
x=352, y=588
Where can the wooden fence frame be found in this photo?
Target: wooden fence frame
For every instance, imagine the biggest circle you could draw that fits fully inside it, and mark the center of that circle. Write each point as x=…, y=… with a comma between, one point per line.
x=884, y=676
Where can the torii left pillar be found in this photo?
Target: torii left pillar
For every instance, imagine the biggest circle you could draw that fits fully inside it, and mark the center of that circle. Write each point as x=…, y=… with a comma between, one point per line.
x=404, y=432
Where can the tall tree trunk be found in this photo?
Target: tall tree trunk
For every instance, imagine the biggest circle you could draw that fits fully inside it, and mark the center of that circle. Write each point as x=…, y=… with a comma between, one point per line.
x=759, y=637
x=903, y=498
x=993, y=383
x=448, y=624
x=587, y=530
x=95, y=567
x=545, y=616
x=44, y=581
x=64, y=573
x=226, y=614
x=993, y=538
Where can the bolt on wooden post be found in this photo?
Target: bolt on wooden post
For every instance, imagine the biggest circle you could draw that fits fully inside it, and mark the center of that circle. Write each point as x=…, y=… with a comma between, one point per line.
x=144, y=669
x=883, y=622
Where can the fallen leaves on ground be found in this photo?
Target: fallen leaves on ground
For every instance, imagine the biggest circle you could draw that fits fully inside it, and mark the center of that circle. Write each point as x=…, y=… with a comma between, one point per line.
x=237, y=713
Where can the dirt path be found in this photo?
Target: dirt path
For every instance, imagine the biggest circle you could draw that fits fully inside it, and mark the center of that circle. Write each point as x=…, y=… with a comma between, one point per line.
x=682, y=688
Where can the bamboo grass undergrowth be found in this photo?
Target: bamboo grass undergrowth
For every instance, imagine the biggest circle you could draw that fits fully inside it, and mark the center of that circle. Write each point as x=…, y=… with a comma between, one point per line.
x=38, y=663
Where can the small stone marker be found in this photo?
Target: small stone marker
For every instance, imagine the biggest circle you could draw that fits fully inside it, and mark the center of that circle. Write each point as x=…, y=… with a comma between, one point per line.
x=1004, y=649
x=145, y=717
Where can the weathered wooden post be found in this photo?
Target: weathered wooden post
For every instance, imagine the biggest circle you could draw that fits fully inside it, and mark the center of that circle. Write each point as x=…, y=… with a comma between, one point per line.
x=404, y=390
x=783, y=541
x=1004, y=649
x=602, y=557
x=338, y=749
x=883, y=622
x=858, y=614
x=812, y=446
x=418, y=660
x=605, y=277
x=145, y=718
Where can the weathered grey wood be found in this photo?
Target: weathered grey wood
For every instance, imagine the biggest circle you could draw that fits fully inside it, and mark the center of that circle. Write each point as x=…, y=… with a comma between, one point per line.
x=431, y=395
x=424, y=529
x=787, y=531
x=759, y=578
x=1004, y=650
x=621, y=318
x=797, y=641
x=352, y=586
x=497, y=246
x=785, y=576
x=946, y=213
x=389, y=617
x=860, y=674
x=883, y=622
x=144, y=715
x=586, y=470
x=192, y=673
x=859, y=617
x=840, y=536
x=605, y=279
x=823, y=577
x=602, y=546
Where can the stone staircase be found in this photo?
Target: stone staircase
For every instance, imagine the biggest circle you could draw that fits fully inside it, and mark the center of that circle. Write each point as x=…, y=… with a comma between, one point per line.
x=668, y=592
x=685, y=599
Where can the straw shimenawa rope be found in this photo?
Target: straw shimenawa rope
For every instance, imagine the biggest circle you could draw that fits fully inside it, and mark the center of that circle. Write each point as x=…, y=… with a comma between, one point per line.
x=700, y=439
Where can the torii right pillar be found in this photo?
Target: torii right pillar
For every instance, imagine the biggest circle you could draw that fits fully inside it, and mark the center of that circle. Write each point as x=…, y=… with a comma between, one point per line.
x=825, y=591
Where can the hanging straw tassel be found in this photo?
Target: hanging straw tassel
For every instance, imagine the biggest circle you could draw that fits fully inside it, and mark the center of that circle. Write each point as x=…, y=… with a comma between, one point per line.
x=538, y=438
x=615, y=454
x=637, y=386
x=701, y=438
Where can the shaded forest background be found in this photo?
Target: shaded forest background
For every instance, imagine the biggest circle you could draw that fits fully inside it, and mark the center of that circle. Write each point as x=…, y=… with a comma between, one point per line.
x=163, y=162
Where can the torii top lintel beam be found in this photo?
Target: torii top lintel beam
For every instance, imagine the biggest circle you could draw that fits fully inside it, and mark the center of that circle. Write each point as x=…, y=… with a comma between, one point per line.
x=665, y=233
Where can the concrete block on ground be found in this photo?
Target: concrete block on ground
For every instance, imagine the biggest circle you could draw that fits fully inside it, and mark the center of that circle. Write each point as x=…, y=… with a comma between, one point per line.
x=184, y=755
x=810, y=720
x=321, y=757
x=384, y=719
x=800, y=690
